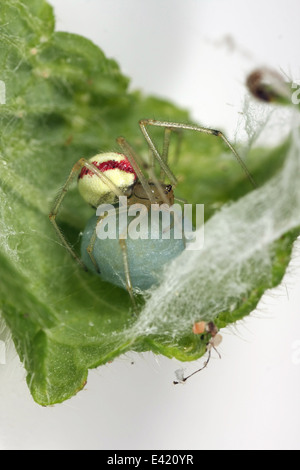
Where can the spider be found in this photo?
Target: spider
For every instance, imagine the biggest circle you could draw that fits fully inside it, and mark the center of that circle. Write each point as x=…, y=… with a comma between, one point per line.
x=107, y=176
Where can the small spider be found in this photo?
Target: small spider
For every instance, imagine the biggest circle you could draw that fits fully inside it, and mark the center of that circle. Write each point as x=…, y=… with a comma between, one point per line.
x=104, y=178
x=199, y=328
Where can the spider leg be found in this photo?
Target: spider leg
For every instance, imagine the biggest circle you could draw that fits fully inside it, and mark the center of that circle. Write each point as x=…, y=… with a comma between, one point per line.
x=165, y=152
x=166, y=145
x=55, y=209
x=127, y=271
x=161, y=160
x=93, y=238
x=183, y=201
x=174, y=126
x=133, y=159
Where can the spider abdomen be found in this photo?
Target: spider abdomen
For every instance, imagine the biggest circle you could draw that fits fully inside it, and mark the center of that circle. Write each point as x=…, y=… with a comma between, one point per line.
x=114, y=166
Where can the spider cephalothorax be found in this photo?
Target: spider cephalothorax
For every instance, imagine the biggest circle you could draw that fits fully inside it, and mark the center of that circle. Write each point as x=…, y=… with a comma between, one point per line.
x=162, y=194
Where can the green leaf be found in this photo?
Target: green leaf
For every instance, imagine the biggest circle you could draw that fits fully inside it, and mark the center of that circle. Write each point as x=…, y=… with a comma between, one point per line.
x=66, y=100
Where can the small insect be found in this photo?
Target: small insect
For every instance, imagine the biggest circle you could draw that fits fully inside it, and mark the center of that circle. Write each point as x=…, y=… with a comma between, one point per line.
x=200, y=328
x=103, y=179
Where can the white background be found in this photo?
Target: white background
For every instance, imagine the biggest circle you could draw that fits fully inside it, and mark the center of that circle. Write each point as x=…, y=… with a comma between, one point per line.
x=197, y=53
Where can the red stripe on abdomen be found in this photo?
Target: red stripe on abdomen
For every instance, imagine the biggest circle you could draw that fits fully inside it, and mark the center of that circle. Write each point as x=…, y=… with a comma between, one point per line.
x=123, y=165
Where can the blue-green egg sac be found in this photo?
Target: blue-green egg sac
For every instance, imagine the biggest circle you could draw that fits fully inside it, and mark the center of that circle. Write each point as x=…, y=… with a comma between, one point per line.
x=147, y=255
